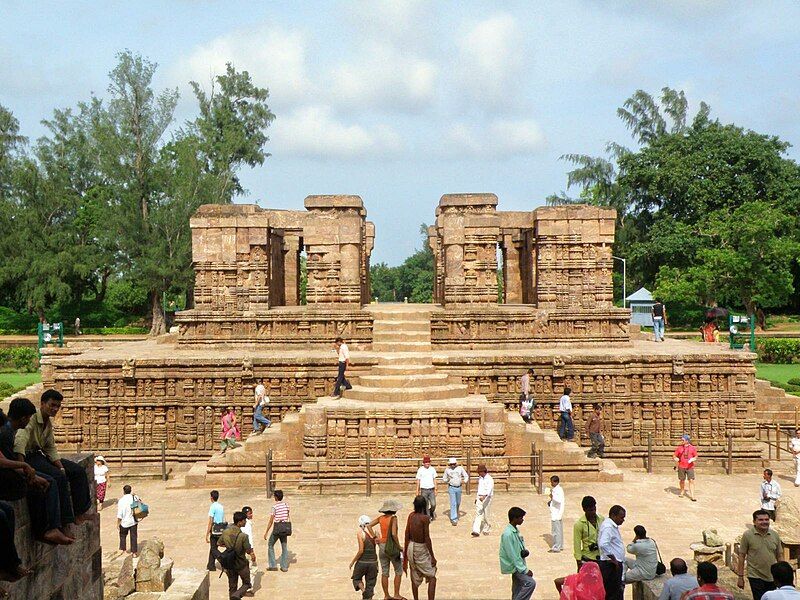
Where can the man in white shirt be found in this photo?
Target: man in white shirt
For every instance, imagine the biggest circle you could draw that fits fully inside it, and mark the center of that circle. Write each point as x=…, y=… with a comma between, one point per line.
x=454, y=476
x=126, y=523
x=556, y=505
x=483, y=502
x=426, y=485
x=783, y=575
x=770, y=493
x=248, y=529
x=794, y=448
x=612, y=552
x=566, y=428
x=344, y=361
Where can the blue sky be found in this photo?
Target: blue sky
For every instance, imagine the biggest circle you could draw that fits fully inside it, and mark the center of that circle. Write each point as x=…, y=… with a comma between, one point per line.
x=403, y=101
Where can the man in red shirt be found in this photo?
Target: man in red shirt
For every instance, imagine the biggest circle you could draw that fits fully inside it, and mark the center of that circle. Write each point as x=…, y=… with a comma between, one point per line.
x=685, y=456
x=708, y=590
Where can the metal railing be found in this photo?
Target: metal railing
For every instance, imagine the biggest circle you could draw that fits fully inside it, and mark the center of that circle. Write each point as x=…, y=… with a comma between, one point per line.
x=117, y=455
x=366, y=472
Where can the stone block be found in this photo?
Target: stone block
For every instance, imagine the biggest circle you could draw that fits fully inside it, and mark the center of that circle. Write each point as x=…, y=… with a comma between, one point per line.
x=703, y=553
x=188, y=584
x=712, y=538
x=118, y=576
x=154, y=579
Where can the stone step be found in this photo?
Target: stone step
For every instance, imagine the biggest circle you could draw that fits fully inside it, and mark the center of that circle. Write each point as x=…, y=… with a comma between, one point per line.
x=402, y=369
x=404, y=358
x=406, y=394
x=406, y=380
x=401, y=346
x=400, y=335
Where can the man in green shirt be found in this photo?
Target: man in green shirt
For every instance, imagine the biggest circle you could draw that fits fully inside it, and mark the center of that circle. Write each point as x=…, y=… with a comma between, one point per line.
x=233, y=537
x=760, y=548
x=584, y=532
x=512, y=557
x=36, y=445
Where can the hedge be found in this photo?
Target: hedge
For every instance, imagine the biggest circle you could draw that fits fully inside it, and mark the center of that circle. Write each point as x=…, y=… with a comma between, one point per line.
x=779, y=350
x=19, y=358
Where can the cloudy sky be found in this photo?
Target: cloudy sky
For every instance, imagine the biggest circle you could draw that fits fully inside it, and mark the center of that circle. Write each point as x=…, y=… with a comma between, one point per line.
x=401, y=101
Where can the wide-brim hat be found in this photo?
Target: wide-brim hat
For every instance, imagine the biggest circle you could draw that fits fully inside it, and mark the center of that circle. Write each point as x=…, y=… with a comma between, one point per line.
x=101, y=458
x=390, y=506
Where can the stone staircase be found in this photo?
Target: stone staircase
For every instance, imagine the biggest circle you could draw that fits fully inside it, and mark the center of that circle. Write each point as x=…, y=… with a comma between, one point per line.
x=403, y=378
x=774, y=405
x=401, y=336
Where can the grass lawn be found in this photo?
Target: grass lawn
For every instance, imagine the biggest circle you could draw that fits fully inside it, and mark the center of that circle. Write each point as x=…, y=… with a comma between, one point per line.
x=777, y=373
x=20, y=381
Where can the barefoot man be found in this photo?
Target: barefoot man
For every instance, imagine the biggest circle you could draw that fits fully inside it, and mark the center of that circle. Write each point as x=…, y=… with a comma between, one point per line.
x=418, y=551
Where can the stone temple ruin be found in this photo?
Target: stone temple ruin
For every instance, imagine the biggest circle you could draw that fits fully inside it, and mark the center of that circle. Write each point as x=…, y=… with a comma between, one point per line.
x=440, y=379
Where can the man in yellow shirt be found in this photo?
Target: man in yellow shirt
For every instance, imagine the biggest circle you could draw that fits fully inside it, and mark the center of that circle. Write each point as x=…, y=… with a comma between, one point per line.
x=36, y=445
x=584, y=532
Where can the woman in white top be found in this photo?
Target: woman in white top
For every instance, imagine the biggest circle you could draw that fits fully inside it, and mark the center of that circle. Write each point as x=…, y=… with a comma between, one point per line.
x=100, y=479
x=643, y=567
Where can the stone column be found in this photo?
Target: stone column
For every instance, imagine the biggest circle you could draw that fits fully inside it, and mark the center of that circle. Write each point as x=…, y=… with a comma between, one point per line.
x=512, y=272
x=334, y=239
x=469, y=229
x=291, y=268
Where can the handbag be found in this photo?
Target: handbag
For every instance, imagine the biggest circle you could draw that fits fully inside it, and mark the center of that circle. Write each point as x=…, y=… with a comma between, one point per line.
x=392, y=547
x=140, y=509
x=661, y=568
x=219, y=528
x=282, y=528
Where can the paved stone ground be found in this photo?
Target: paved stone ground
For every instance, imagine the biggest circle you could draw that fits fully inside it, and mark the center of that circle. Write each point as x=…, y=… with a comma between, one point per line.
x=325, y=526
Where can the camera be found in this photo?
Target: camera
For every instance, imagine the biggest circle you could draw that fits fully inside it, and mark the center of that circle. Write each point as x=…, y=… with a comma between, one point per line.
x=524, y=553
x=593, y=547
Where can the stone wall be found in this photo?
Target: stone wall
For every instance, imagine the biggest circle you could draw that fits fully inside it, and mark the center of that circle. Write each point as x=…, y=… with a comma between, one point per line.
x=60, y=572
x=177, y=400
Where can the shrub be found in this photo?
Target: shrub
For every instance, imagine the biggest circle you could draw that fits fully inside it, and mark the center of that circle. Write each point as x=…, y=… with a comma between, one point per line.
x=779, y=350
x=794, y=381
x=19, y=358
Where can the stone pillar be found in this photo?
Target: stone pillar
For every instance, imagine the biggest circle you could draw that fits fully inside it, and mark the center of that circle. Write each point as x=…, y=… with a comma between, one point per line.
x=573, y=256
x=469, y=228
x=369, y=244
x=512, y=271
x=335, y=246
x=434, y=242
x=291, y=268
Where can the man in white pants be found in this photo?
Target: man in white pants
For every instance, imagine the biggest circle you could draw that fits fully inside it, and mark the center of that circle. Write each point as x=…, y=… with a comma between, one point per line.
x=483, y=502
x=556, y=505
x=794, y=447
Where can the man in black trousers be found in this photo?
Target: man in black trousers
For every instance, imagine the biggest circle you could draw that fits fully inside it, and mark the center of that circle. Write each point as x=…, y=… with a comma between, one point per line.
x=35, y=444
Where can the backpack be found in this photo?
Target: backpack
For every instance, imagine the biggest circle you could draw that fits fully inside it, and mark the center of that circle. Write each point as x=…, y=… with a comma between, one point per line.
x=227, y=558
x=392, y=547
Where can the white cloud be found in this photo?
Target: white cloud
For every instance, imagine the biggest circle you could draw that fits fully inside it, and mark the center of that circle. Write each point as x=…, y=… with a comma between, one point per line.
x=501, y=138
x=400, y=22
x=312, y=131
x=274, y=57
x=491, y=57
x=384, y=78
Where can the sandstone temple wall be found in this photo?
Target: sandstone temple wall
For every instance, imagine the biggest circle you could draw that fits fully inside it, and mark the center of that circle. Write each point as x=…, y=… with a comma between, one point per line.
x=60, y=572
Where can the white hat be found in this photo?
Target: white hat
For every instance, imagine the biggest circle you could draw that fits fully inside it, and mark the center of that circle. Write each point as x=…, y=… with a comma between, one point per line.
x=260, y=390
x=364, y=520
x=100, y=458
x=453, y=460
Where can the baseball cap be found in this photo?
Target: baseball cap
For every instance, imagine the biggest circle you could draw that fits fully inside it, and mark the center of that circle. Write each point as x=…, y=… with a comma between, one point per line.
x=452, y=461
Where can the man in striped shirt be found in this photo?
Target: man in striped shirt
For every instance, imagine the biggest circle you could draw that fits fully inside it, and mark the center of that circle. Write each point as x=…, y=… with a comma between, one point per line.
x=280, y=514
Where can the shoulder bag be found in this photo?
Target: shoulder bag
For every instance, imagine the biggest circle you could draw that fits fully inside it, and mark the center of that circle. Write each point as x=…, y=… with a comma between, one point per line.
x=392, y=547
x=140, y=509
x=219, y=528
x=280, y=528
x=661, y=568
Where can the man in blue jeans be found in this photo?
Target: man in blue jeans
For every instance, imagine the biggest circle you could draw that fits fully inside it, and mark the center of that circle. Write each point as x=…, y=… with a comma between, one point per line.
x=659, y=313
x=262, y=402
x=454, y=476
x=566, y=430
x=279, y=514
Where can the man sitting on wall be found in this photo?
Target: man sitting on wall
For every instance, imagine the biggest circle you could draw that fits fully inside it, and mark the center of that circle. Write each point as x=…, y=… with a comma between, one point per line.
x=36, y=445
x=40, y=489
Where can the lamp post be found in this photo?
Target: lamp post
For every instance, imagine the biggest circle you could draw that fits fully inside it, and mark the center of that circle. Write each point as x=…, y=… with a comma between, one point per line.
x=624, y=275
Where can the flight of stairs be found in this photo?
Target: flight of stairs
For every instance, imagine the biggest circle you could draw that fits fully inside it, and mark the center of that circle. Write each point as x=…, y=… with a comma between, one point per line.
x=401, y=336
x=774, y=405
